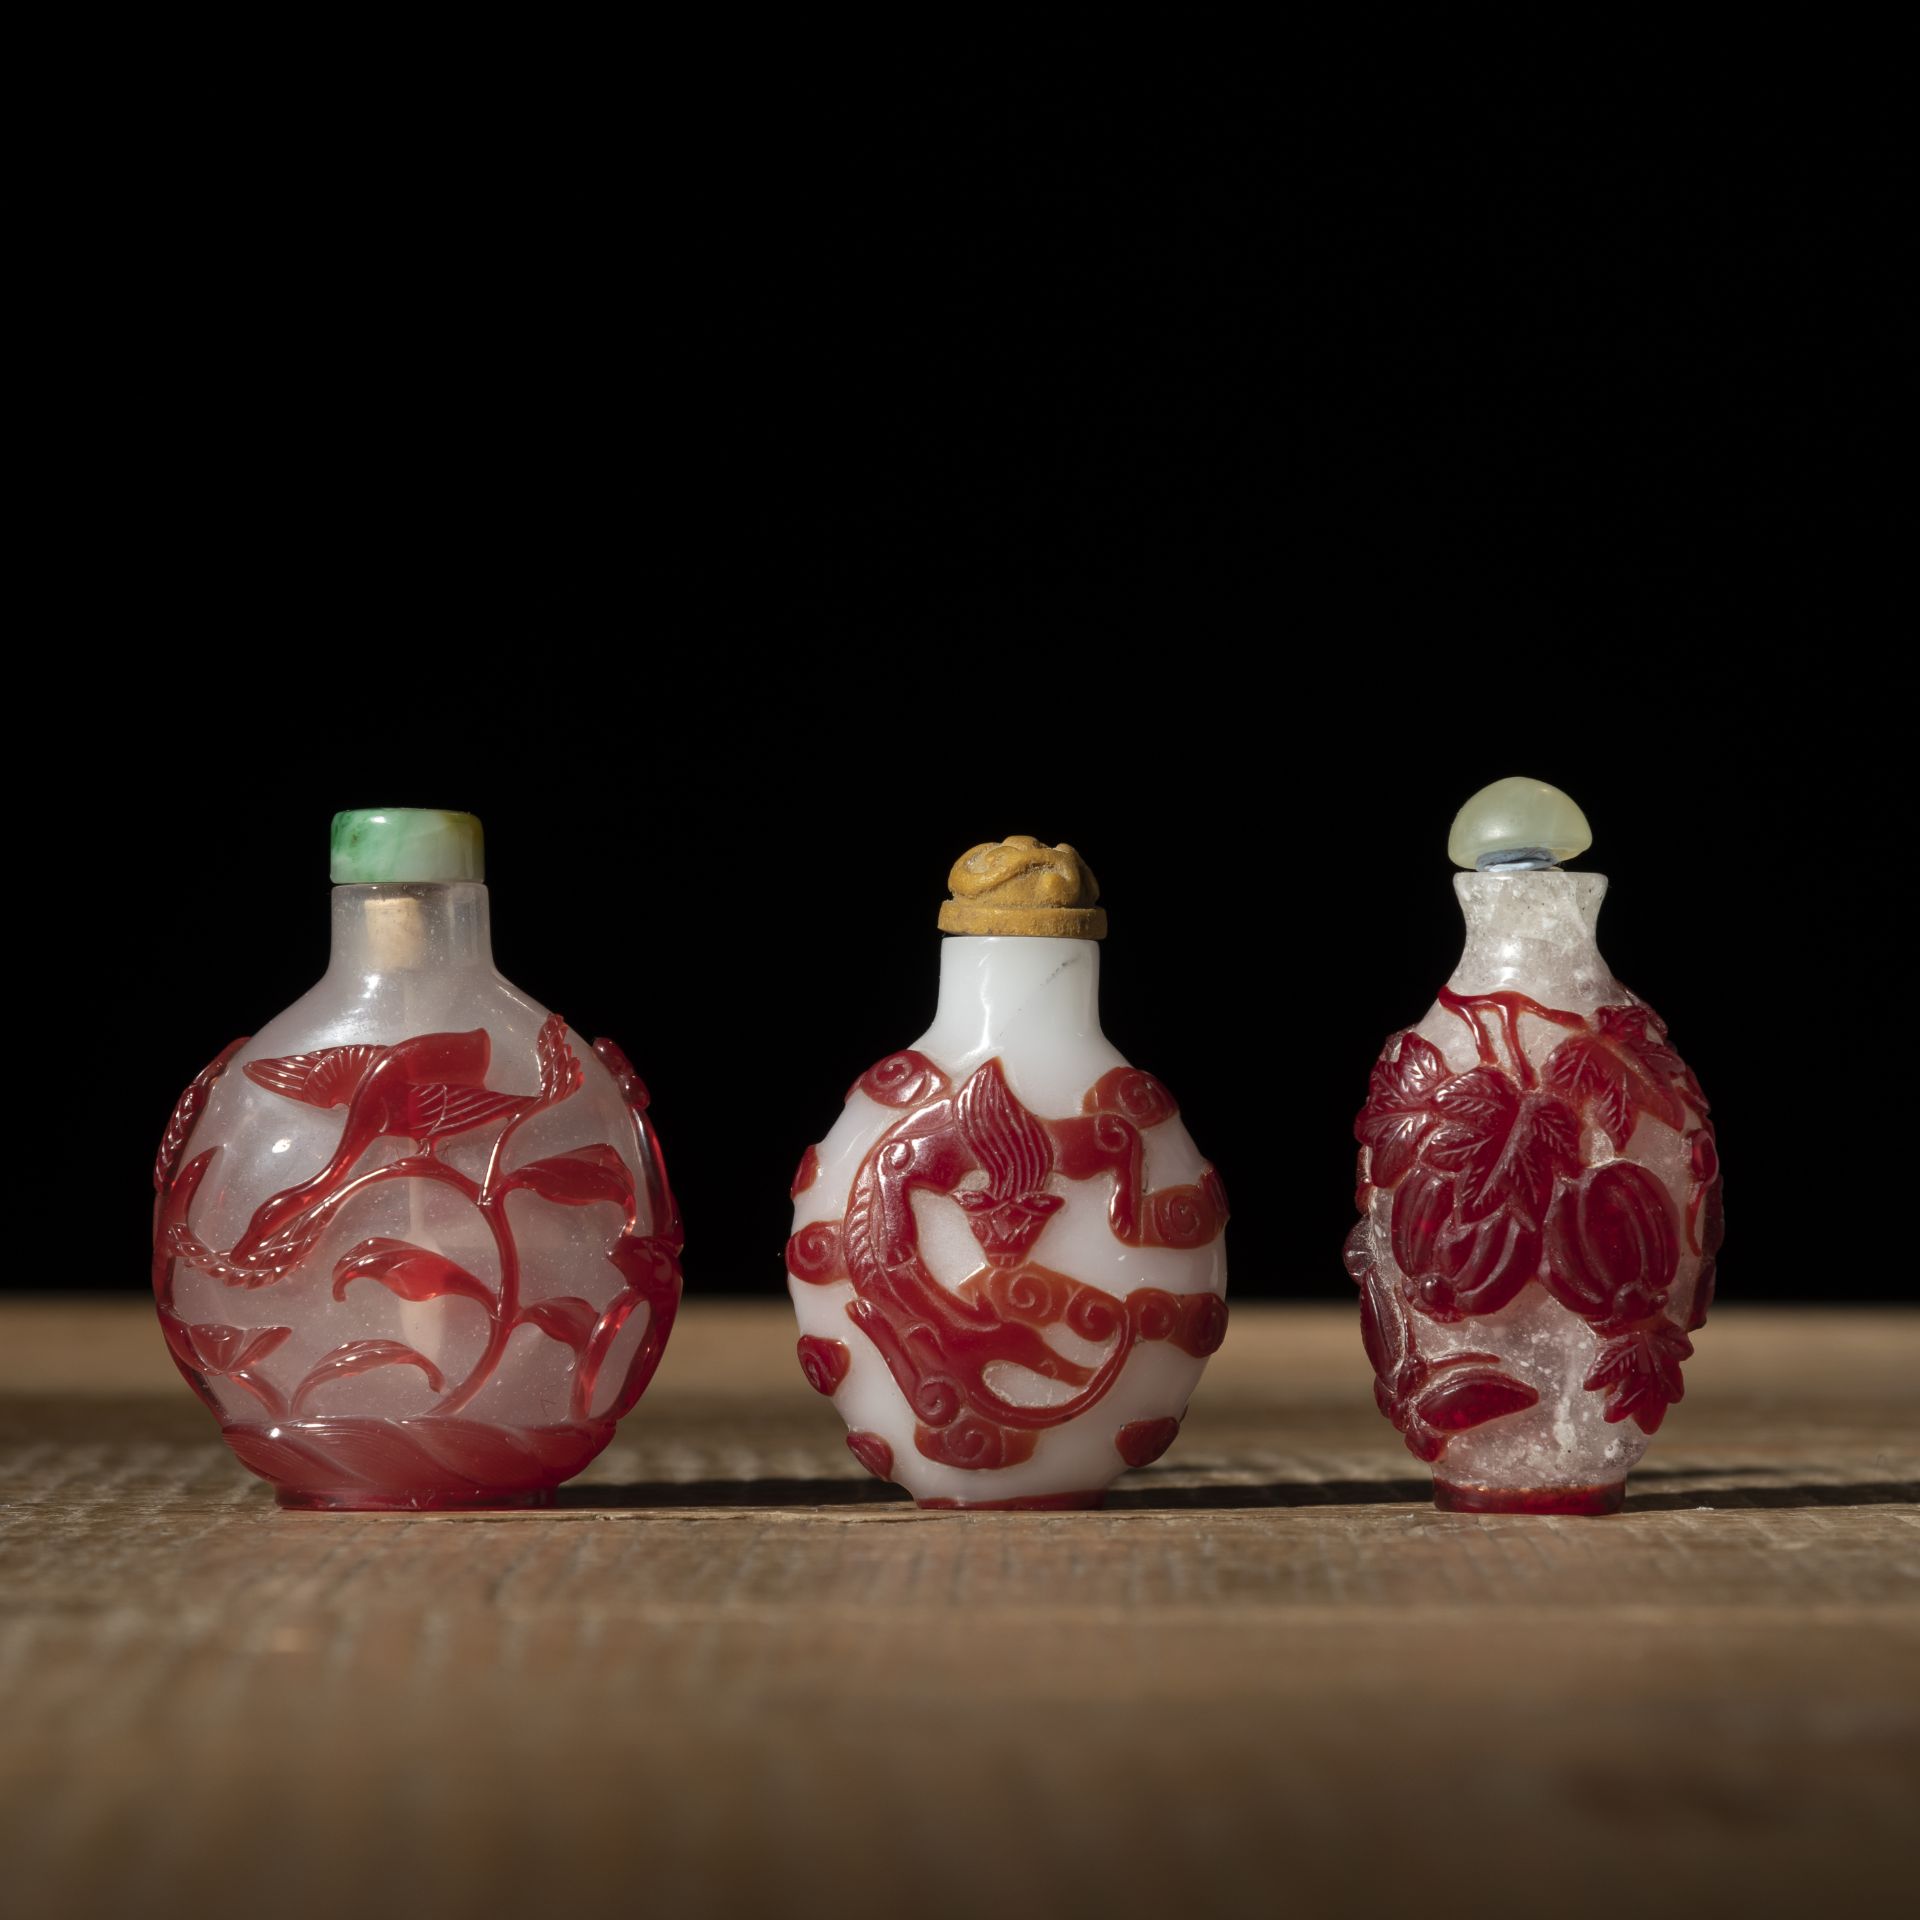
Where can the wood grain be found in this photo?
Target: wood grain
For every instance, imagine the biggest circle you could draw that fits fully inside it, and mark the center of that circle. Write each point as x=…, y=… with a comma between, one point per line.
x=732, y=1675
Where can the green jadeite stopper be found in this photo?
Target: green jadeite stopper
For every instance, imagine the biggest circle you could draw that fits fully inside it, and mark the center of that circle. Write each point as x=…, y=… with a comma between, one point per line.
x=1517, y=823
x=405, y=844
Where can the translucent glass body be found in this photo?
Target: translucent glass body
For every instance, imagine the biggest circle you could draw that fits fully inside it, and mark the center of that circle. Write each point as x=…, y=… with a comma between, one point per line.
x=1540, y=1197
x=1007, y=1259
x=414, y=1244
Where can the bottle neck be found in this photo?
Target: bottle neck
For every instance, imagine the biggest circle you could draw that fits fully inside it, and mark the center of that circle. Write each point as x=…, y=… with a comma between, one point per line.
x=1533, y=933
x=995, y=989
x=410, y=927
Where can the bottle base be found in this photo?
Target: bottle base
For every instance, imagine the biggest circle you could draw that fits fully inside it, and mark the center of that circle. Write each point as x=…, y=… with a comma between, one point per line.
x=1030, y=1503
x=1602, y=1499
x=430, y=1464
x=361, y=1500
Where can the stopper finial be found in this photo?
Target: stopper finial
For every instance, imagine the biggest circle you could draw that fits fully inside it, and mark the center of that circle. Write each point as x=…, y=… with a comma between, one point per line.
x=1021, y=885
x=1516, y=824
x=405, y=845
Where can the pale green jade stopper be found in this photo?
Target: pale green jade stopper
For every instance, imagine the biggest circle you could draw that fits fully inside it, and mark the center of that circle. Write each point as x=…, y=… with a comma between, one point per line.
x=1516, y=824
x=405, y=844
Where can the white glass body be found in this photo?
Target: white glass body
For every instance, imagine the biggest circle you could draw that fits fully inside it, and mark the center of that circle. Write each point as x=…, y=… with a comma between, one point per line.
x=1033, y=1005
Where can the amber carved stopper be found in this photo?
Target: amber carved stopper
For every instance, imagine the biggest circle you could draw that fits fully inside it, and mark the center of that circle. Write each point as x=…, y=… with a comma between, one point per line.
x=1022, y=886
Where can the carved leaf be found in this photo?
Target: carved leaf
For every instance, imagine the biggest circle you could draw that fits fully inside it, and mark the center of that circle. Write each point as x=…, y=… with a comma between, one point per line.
x=171, y=1236
x=560, y=1070
x=362, y=1356
x=1640, y=1034
x=566, y=1318
x=579, y=1178
x=1639, y=1370
x=186, y=1110
x=1382, y=1318
x=650, y=1265
x=257, y=1344
x=603, y=1334
x=1506, y=1147
x=1399, y=1110
x=1470, y=1397
x=221, y=1350
x=414, y=1273
x=326, y=1077
x=1596, y=1070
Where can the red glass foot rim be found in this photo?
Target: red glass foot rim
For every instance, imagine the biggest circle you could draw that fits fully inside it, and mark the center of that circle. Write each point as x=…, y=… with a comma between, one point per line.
x=1607, y=1499
x=1032, y=1503
x=360, y=1500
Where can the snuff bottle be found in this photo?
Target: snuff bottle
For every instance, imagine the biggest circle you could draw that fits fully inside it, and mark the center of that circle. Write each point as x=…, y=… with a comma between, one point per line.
x=1539, y=1191
x=1007, y=1258
x=414, y=1244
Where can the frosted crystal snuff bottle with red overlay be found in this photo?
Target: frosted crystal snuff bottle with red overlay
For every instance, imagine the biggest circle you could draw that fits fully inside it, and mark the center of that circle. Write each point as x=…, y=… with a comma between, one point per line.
x=1007, y=1256
x=1539, y=1191
x=414, y=1244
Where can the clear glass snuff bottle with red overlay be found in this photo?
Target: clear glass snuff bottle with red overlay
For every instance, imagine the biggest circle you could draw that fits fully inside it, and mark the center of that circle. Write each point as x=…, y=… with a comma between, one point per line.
x=1007, y=1258
x=413, y=1243
x=1539, y=1191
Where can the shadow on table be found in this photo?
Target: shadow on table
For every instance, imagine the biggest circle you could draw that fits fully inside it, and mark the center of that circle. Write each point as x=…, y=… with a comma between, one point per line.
x=1649, y=1491
x=731, y=1493
x=1274, y=1493
x=1646, y=1494
x=1864, y=1493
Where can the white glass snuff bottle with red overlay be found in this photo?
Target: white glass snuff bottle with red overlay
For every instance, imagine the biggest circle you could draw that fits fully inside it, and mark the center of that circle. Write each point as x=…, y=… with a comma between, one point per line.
x=414, y=1244
x=1007, y=1256
x=1539, y=1191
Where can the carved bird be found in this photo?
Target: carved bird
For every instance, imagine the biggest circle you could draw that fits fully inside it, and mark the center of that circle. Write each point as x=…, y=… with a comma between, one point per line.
x=424, y=1090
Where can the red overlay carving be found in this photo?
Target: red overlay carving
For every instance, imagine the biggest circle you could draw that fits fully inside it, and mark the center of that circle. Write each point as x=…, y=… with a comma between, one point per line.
x=873, y=1453
x=805, y=1174
x=998, y=1162
x=422, y=1091
x=824, y=1362
x=1492, y=1192
x=901, y=1080
x=1604, y=1499
x=1141, y=1442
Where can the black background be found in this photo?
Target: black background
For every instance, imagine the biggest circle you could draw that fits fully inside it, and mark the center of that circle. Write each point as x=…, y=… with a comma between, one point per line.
x=1226, y=477
x=748, y=906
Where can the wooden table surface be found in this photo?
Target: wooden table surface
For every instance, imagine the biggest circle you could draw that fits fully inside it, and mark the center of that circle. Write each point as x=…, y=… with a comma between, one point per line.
x=732, y=1675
